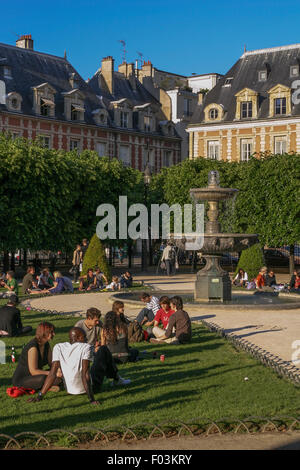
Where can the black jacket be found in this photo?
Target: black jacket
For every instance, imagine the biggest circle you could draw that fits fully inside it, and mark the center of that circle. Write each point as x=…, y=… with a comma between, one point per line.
x=10, y=320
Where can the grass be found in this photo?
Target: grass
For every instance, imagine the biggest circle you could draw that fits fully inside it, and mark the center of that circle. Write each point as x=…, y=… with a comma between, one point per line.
x=204, y=379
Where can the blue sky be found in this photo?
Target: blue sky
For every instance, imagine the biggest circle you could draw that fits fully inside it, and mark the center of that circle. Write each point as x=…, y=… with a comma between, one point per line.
x=178, y=36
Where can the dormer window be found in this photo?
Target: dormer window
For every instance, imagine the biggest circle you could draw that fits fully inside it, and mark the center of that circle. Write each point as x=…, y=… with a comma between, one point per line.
x=280, y=100
x=122, y=113
x=294, y=71
x=228, y=81
x=213, y=113
x=74, y=105
x=262, y=75
x=14, y=101
x=43, y=100
x=246, y=104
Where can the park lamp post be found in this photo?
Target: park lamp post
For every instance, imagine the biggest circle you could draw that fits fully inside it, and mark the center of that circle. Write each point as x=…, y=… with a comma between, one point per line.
x=147, y=180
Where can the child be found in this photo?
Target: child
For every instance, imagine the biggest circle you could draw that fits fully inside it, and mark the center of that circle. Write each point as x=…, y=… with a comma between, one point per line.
x=114, y=285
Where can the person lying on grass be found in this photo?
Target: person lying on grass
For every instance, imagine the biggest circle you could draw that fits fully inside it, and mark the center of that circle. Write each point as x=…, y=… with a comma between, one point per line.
x=73, y=358
x=180, y=321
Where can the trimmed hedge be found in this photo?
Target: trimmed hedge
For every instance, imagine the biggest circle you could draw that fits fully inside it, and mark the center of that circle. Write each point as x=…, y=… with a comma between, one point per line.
x=95, y=257
x=251, y=261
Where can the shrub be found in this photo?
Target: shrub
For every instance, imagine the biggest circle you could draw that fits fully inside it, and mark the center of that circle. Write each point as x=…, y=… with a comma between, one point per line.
x=95, y=257
x=251, y=261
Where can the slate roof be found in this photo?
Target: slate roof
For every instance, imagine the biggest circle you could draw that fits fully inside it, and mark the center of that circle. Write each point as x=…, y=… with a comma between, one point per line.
x=244, y=73
x=30, y=68
x=123, y=89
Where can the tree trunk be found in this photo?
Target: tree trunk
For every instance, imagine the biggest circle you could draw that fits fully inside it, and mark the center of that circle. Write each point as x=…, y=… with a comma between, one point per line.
x=129, y=254
x=12, y=261
x=24, y=258
x=5, y=261
x=292, y=259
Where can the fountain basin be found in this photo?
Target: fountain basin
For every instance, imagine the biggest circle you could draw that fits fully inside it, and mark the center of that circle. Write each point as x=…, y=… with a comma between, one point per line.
x=241, y=300
x=213, y=194
x=215, y=243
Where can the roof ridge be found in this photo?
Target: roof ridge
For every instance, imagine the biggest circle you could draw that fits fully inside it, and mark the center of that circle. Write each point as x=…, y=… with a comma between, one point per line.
x=21, y=49
x=271, y=49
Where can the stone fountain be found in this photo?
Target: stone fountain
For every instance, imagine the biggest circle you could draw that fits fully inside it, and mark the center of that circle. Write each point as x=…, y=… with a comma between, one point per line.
x=212, y=282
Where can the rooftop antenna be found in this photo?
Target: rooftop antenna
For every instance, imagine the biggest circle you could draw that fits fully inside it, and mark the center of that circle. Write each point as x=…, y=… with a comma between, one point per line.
x=65, y=55
x=124, y=50
x=141, y=57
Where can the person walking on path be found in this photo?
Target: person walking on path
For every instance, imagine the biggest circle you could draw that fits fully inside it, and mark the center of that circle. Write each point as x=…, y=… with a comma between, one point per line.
x=77, y=261
x=169, y=257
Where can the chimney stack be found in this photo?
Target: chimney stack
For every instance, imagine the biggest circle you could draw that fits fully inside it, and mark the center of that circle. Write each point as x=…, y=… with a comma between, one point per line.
x=25, y=42
x=107, y=74
x=200, y=97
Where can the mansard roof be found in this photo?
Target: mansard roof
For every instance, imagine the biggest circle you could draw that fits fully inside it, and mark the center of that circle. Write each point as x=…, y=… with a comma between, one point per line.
x=30, y=69
x=275, y=61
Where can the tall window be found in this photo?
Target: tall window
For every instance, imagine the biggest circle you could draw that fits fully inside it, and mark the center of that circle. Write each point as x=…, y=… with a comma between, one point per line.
x=74, y=144
x=246, y=109
x=101, y=149
x=280, y=106
x=124, y=119
x=124, y=155
x=280, y=144
x=167, y=158
x=246, y=149
x=45, y=140
x=213, y=149
x=187, y=107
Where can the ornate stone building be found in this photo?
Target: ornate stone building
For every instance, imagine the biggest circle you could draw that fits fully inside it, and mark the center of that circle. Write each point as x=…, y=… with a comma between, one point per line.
x=42, y=95
x=253, y=108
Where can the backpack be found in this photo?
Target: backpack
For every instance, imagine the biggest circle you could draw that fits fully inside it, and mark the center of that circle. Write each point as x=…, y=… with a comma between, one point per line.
x=135, y=333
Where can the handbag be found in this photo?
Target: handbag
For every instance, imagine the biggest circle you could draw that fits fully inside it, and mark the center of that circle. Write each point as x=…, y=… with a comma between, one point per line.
x=162, y=265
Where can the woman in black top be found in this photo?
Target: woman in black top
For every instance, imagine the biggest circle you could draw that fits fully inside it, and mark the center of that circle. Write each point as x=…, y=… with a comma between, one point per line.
x=35, y=355
x=114, y=335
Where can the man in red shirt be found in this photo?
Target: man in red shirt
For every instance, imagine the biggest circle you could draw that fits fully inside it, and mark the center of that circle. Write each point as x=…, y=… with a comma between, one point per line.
x=162, y=316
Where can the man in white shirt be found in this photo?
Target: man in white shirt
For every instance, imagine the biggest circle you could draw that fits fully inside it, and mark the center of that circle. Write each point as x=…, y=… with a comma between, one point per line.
x=73, y=359
x=148, y=313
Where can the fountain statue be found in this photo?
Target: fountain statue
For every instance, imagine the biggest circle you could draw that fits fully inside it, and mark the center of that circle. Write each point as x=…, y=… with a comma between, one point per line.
x=212, y=282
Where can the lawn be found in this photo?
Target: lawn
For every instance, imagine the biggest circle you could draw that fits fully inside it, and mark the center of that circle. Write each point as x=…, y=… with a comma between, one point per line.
x=204, y=379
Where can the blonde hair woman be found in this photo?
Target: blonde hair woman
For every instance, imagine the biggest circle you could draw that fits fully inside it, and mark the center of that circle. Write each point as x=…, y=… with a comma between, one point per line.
x=58, y=283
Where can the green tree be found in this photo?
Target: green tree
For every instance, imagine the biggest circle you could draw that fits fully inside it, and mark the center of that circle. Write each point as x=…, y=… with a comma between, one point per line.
x=95, y=257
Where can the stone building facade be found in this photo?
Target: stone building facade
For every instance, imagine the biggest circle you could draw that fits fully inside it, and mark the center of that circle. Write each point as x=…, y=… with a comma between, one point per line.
x=254, y=108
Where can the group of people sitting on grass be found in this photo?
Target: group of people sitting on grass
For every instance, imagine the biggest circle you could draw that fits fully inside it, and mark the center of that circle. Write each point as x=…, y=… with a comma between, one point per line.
x=102, y=345
x=56, y=283
x=266, y=280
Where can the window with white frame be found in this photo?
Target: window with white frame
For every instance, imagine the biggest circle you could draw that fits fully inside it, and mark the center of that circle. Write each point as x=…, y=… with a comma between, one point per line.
x=124, y=119
x=213, y=149
x=125, y=155
x=74, y=144
x=246, y=149
x=246, y=109
x=280, y=144
x=101, y=149
x=280, y=106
